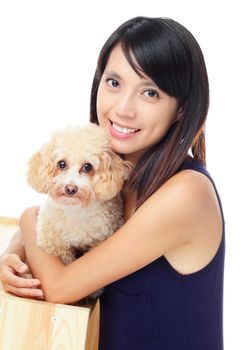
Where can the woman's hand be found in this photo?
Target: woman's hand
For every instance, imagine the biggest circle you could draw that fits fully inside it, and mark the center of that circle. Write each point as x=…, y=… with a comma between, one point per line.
x=13, y=271
x=13, y=276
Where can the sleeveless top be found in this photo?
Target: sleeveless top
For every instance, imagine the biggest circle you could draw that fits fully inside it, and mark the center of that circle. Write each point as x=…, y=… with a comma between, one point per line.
x=157, y=308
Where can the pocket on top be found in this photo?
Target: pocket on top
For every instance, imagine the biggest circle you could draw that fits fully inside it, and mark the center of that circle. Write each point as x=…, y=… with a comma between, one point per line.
x=138, y=315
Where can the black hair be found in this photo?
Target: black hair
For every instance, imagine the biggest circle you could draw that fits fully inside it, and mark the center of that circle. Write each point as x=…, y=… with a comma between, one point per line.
x=167, y=53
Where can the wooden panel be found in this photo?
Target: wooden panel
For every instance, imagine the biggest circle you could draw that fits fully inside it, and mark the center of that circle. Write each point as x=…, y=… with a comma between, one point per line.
x=37, y=325
x=27, y=324
x=92, y=336
x=9, y=220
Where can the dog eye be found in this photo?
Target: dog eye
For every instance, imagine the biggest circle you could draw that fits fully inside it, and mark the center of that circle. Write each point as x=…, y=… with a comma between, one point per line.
x=87, y=167
x=61, y=164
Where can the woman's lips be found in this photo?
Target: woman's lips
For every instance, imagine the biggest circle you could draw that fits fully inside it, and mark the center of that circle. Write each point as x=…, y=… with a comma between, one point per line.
x=121, y=131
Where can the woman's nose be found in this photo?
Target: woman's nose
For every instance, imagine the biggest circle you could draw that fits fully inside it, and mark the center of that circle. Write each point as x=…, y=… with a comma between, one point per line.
x=126, y=107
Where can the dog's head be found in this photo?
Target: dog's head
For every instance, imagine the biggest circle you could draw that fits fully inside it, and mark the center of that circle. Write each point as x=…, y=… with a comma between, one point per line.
x=77, y=167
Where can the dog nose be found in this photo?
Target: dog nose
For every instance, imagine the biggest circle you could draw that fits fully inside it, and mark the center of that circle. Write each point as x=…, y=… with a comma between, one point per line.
x=71, y=189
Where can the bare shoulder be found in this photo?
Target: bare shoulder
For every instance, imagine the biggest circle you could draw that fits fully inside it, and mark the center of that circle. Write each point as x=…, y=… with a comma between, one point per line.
x=188, y=191
x=191, y=187
x=188, y=198
x=194, y=198
x=202, y=195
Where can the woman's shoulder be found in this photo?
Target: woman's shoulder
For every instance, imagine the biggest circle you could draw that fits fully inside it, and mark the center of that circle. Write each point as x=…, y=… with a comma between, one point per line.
x=188, y=197
x=183, y=215
x=189, y=187
x=192, y=197
x=195, y=196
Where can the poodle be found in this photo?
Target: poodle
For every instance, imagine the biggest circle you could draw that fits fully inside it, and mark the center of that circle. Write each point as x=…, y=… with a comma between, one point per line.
x=82, y=178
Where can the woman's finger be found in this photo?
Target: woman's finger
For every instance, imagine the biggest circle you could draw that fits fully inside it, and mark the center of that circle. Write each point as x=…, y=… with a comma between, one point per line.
x=13, y=260
x=33, y=293
x=8, y=277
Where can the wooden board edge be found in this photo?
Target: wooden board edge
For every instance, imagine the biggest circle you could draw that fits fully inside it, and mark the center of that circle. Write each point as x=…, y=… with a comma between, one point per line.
x=8, y=220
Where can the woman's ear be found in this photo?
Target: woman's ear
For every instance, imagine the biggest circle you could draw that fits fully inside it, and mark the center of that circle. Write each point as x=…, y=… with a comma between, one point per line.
x=110, y=176
x=40, y=169
x=179, y=114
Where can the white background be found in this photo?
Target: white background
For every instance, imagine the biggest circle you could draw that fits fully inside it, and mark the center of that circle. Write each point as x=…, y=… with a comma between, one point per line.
x=48, y=53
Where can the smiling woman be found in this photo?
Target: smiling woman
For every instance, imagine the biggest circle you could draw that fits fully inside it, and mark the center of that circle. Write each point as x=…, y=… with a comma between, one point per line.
x=125, y=100
x=163, y=268
x=169, y=85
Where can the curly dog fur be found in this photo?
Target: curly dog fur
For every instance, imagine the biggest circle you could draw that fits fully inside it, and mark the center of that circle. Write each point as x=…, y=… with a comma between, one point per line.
x=82, y=178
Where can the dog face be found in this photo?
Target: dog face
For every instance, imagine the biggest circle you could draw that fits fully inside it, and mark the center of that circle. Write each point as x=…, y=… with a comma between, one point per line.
x=77, y=167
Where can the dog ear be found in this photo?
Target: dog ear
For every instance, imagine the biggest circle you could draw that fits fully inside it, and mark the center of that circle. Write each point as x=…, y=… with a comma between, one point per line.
x=40, y=169
x=110, y=176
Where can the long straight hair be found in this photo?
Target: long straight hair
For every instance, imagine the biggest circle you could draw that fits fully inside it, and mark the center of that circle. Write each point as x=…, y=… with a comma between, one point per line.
x=167, y=52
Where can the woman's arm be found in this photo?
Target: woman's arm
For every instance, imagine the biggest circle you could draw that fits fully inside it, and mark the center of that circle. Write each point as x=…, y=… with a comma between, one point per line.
x=13, y=269
x=168, y=219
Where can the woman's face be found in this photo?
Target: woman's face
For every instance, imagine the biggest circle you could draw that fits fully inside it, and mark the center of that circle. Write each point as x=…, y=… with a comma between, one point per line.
x=134, y=111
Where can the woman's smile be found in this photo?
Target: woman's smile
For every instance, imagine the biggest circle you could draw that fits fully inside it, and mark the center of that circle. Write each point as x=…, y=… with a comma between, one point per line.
x=133, y=110
x=121, y=131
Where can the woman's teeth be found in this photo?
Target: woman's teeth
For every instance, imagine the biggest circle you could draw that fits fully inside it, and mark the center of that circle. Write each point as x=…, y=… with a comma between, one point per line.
x=123, y=130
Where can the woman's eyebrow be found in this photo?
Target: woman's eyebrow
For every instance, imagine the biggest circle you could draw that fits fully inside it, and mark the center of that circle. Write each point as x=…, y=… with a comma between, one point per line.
x=144, y=81
x=112, y=74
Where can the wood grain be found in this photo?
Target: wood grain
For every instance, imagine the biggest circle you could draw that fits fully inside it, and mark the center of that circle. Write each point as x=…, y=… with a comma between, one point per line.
x=27, y=324
x=7, y=220
x=37, y=325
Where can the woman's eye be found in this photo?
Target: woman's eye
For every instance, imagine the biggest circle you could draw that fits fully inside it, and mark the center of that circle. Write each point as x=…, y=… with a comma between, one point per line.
x=61, y=164
x=87, y=167
x=112, y=82
x=151, y=93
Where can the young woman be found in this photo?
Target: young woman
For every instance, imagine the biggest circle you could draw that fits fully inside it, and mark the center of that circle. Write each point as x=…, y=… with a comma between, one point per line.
x=163, y=270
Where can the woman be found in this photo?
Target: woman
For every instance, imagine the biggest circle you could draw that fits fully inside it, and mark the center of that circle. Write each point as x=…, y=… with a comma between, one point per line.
x=163, y=270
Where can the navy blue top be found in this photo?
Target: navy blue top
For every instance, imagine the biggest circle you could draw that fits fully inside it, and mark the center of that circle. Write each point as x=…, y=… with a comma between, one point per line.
x=157, y=308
